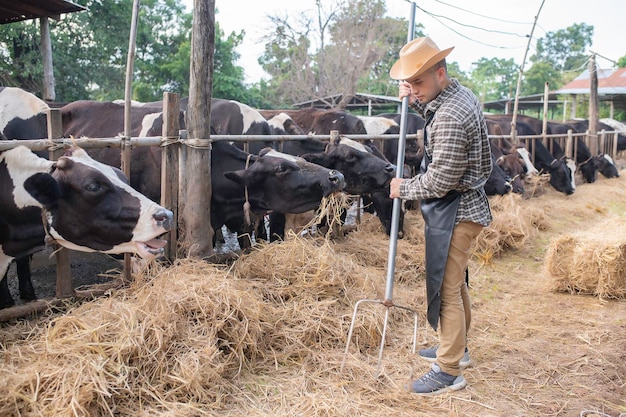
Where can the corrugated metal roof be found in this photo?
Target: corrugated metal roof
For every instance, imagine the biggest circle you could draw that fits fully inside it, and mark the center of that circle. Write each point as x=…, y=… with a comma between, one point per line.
x=18, y=10
x=610, y=82
x=359, y=100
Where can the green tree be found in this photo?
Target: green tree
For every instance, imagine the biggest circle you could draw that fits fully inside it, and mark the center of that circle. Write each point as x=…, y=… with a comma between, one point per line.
x=540, y=73
x=565, y=49
x=20, y=59
x=89, y=54
x=494, y=78
x=355, y=47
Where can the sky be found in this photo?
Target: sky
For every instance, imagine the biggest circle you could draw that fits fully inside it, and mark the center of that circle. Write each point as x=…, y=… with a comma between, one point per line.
x=477, y=29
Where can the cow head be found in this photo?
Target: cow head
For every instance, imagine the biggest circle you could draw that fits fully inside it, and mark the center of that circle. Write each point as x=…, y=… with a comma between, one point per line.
x=589, y=169
x=90, y=207
x=525, y=155
x=562, y=175
x=498, y=182
x=514, y=167
x=606, y=166
x=286, y=183
x=364, y=172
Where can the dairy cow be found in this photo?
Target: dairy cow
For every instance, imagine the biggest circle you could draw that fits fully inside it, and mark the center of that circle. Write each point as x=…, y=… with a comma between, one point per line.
x=273, y=181
x=413, y=152
x=561, y=170
x=506, y=157
x=361, y=164
x=103, y=119
x=82, y=204
x=270, y=181
x=587, y=164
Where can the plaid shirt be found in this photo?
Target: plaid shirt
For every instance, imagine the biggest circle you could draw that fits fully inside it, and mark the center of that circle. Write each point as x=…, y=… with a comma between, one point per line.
x=459, y=151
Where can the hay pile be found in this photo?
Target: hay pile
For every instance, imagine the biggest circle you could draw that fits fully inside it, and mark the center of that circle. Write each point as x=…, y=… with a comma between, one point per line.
x=178, y=344
x=513, y=224
x=592, y=262
x=264, y=336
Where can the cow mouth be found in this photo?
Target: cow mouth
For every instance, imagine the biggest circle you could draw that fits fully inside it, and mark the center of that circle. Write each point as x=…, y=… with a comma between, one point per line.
x=151, y=248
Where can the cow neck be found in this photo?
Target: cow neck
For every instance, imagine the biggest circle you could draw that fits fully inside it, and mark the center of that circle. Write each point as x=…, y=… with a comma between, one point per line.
x=246, y=204
x=585, y=162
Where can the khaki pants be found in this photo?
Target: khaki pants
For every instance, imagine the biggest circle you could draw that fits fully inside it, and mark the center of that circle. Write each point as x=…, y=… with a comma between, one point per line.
x=455, y=315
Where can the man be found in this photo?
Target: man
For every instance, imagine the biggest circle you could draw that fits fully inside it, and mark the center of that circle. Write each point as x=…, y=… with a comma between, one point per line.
x=453, y=202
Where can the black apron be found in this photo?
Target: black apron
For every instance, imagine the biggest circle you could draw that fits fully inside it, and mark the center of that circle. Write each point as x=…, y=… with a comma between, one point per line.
x=439, y=218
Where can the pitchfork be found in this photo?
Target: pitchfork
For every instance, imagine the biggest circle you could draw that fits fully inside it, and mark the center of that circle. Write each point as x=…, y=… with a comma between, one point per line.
x=387, y=302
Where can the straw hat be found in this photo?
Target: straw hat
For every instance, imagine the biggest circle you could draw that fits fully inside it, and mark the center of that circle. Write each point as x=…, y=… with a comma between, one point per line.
x=416, y=57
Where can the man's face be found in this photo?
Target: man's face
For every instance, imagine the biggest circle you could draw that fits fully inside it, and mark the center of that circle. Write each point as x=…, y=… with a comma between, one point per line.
x=428, y=85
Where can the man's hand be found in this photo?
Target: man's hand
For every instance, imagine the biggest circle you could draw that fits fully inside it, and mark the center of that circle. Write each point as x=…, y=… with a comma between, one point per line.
x=394, y=187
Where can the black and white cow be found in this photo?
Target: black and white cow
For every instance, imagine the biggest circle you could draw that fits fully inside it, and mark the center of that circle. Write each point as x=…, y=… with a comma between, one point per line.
x=276, y=187
x=87, y=206
x=270, y=181
x=230, y=117
x=413, y=152
x=22, y=114
x=561, y=169
x=587, y=164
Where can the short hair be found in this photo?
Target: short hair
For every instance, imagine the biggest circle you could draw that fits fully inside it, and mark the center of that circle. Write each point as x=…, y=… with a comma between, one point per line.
x=440, y=64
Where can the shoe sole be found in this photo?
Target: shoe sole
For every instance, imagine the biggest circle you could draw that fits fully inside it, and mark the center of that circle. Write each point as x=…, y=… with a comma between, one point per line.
x=462, y=364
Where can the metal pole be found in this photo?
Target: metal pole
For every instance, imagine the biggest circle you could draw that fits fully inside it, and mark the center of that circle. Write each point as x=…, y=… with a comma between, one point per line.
x=397, y=202
x=393, y=236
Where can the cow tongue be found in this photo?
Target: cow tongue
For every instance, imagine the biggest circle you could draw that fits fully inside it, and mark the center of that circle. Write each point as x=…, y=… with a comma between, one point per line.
x=156, y=243
x=151, y=248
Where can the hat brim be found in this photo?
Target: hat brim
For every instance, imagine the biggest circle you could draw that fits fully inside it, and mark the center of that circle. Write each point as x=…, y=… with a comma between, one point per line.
x=397, y=72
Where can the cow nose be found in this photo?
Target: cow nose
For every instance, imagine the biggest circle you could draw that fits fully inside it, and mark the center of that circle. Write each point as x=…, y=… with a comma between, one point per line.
x=337, y=178
x=390, y=169
x=164, y=218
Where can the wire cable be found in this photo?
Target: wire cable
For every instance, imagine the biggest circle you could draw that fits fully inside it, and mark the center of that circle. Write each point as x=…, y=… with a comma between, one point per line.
x=436, y=16
x=482, y=15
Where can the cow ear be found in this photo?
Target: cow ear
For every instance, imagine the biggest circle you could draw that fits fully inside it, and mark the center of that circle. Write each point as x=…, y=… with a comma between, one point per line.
x=44, y=188
x=265, y=150
x=120, y=174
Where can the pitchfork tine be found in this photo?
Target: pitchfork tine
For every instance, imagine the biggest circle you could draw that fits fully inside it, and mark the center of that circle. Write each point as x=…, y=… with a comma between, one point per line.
x=393, y=235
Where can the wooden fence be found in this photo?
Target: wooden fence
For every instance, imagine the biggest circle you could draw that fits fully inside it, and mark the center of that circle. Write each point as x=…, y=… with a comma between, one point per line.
x=174, y=144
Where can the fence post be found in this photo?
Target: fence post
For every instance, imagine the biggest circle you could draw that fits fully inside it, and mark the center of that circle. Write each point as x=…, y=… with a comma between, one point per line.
x=570, y=148
x=64, y=286
x=169, y=167
x=602, y=143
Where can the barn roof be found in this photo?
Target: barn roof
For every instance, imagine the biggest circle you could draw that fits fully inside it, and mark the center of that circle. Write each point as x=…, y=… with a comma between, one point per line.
x=17, y=10
x=610, y=82
x=358, y=101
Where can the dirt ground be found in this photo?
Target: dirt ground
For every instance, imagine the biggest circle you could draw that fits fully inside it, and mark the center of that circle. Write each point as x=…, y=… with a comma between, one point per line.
x=535, y=352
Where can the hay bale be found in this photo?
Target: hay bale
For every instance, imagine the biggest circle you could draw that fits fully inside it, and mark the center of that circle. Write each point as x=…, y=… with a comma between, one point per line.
x=513, y=224
x=589, y=262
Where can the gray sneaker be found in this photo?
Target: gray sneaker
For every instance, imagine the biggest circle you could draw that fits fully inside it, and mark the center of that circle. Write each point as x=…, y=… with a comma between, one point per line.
x=436, y=382
x=430, y=354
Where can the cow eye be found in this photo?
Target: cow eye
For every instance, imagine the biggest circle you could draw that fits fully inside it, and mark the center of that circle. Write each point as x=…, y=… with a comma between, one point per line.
x=93, y=187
